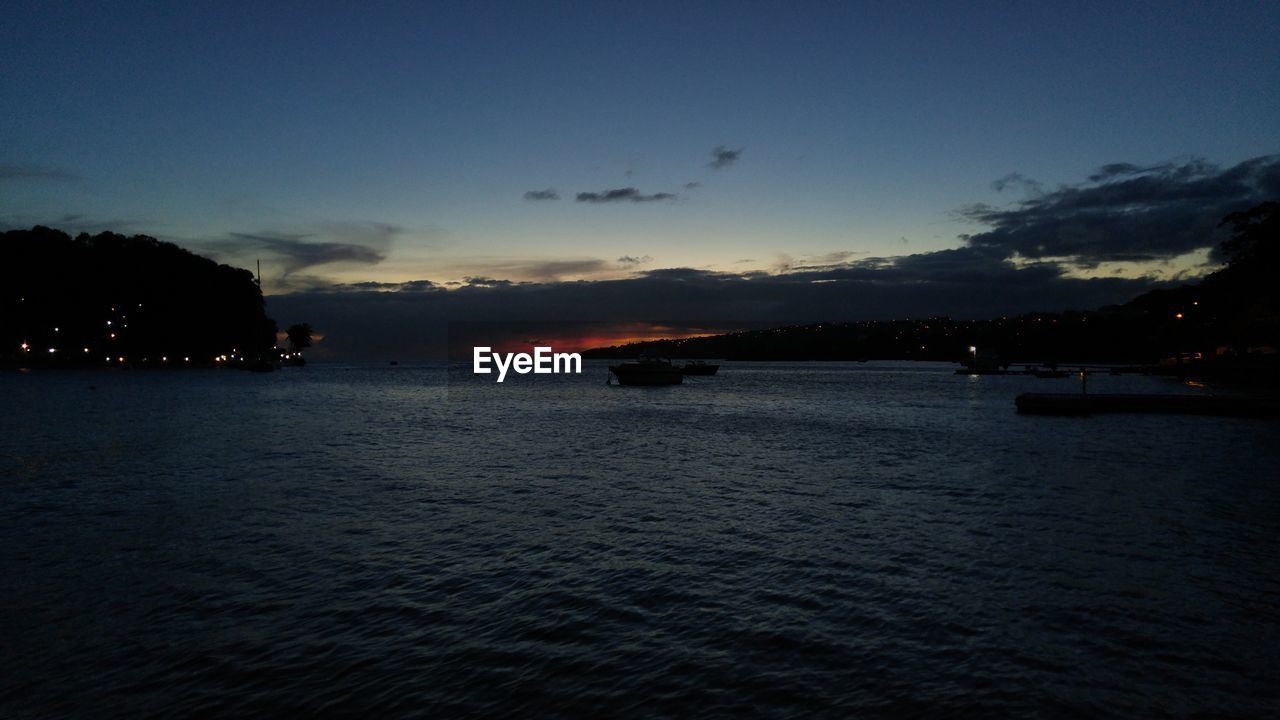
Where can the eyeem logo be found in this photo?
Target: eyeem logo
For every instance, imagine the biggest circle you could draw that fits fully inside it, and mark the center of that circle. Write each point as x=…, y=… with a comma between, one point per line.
x=542, y=362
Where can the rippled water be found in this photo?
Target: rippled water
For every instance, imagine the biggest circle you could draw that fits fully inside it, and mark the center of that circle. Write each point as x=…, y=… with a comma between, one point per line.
x=781, y=540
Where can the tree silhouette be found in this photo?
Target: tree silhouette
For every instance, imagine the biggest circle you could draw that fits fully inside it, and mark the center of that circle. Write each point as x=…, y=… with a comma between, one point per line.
x=1255, y=239
x=299, y=336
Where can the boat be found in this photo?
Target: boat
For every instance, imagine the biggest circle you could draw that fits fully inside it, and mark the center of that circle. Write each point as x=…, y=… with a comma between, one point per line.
x=647, y=371
x=698, y=367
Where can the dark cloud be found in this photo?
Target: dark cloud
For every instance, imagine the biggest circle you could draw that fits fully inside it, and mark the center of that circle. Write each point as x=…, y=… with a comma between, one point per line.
x=723, y=157
x=692, y=185
x=37, y=172
x=632, y=261
x=361, y=243
x=548, y=194
x=839, y=258
x=418, y=286
x=556, y=269
x=627, y=194
x=524, y=270
x=1127, y=213
x=374, y=286
x=486, y=282
x=1111, y=171
x=1017, y=180
x=295, y=252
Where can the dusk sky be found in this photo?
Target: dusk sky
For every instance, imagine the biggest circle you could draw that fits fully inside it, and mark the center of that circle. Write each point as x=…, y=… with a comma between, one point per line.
x=755, y=142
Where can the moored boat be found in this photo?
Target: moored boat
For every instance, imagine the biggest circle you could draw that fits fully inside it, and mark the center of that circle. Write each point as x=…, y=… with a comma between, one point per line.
x=647, y=371
x=698, y=367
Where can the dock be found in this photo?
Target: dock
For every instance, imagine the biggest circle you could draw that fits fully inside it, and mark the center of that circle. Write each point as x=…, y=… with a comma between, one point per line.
x=1092, y=404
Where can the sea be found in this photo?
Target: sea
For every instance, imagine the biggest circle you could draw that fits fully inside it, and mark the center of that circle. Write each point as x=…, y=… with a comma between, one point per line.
x=789, y=540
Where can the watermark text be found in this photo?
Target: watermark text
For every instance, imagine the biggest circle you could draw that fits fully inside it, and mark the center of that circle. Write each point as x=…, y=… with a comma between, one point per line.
x=543, y=361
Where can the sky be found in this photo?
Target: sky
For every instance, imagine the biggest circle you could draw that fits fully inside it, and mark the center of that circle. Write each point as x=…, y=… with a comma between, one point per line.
x=605, y=150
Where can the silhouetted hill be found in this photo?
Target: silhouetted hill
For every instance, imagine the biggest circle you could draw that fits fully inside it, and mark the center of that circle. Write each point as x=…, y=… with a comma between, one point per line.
x=1230, y=314
x=1040, y=337
x=95, y=300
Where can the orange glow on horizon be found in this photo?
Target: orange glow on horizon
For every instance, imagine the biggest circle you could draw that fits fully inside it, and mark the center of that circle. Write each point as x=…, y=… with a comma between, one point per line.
x=600, y=338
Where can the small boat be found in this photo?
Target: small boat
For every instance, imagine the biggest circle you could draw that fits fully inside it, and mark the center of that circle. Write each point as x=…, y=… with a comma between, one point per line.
x=647, y=371
x=698, y=367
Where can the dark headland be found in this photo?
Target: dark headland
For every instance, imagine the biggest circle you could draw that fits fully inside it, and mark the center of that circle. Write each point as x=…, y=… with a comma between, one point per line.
x=110, y=300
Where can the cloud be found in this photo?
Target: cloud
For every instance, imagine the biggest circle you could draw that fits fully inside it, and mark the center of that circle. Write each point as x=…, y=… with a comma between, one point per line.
x=832, y=259
x=722, y=157
x=632, y=261
x=409, y=286
x=484, y=270
x=360, y=243
x=1127, y=213
x=536, y=195
x=692, y=185
x=296, y=253
x=555, y=269
x=487, y=282
x=37, y=173
x=1017, y=180
x=627, y=194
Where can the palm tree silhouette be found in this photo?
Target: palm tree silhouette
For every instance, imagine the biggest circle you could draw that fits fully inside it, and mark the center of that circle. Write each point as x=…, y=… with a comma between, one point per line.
x=299, y=336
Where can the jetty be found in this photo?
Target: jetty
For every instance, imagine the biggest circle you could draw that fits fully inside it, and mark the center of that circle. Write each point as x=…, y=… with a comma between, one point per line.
x=1097, y=403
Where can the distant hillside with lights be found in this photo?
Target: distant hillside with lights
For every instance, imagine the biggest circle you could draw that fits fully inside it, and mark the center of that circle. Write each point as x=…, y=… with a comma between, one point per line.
x=1230, y=316
x=111, y=300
